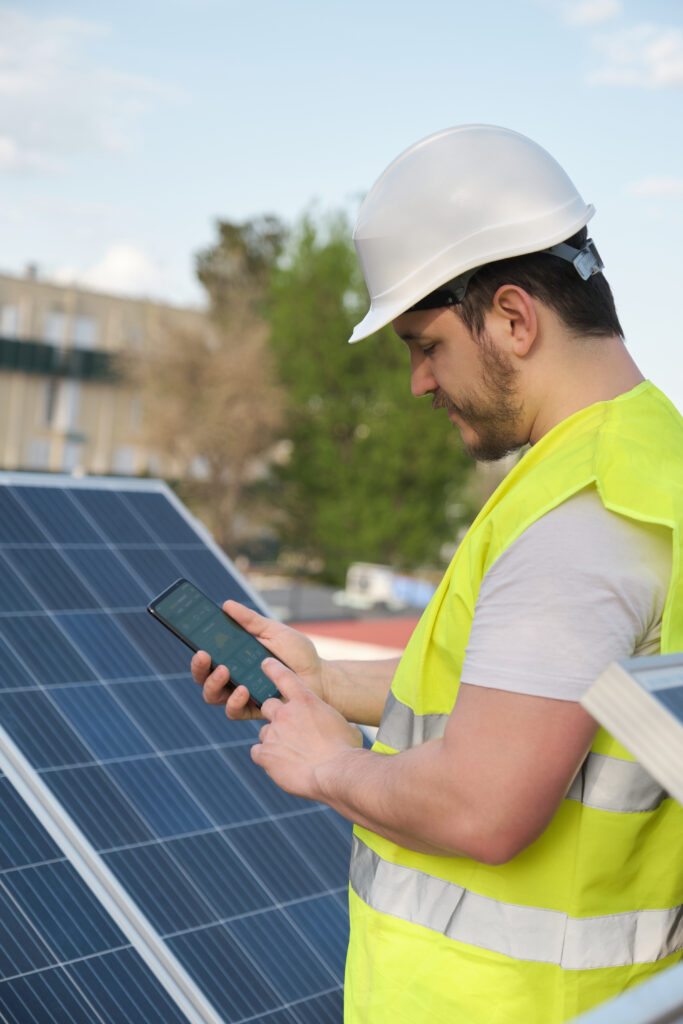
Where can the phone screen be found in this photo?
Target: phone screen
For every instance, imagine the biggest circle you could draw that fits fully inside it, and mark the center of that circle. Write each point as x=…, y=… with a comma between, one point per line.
x=203, y=626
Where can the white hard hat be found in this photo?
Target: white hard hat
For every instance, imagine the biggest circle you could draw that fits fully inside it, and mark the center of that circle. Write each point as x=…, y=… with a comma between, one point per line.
x=456, y=200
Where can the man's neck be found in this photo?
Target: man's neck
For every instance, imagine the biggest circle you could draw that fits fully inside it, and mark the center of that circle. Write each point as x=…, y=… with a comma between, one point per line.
x=587, y=371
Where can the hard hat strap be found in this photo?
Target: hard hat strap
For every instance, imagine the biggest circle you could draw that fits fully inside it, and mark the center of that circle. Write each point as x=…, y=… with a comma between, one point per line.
x=450, y=294
x=586, y=262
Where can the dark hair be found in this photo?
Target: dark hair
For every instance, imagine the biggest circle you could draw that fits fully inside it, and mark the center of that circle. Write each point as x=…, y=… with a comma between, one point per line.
x=586, y=307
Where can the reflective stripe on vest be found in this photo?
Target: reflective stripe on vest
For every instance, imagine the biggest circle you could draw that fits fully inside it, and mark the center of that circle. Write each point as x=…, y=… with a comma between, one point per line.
x=610, y=784
x=523, y=933
x=603, y=783
x=401, y=728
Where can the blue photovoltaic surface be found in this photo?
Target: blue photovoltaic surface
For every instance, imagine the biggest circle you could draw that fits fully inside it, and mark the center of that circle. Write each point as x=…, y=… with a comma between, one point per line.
x=672, y=699
x=62, y=958
x=246, y=884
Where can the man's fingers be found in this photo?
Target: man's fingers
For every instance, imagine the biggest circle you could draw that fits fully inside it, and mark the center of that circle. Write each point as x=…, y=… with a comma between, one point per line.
x=216, y=686
x=214, y=683
x=251, y=621
x=237, y=706
x=287, y=682
x=200, y=667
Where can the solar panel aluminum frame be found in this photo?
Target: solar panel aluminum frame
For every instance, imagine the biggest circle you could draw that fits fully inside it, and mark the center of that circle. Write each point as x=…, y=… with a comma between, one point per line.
x=101, y=881
x=657, y=1001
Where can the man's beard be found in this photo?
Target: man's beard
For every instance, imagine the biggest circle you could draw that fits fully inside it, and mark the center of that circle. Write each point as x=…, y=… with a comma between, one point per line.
x=494, y=411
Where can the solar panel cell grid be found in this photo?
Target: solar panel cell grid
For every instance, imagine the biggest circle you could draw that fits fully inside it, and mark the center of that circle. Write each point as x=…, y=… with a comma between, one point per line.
x=105, y=646
x=50, y=578
x=14, y=596
x=37, y=641
x=38, y=729
x=223, y=878
x=154, y=567
x=107, y=577
x=163, y=888
x=164, y=521
x=96, y=803
x=100, y=720
x=62, y=958
x=157, y=714
x=283, y=954
x=22, y=840
x=16, y=527
x=58, y=515
x=112, y=517
x=13, y=674
x=244, y=883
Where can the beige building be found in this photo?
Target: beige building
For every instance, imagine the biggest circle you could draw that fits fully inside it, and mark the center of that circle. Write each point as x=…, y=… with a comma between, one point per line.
x=62, y=406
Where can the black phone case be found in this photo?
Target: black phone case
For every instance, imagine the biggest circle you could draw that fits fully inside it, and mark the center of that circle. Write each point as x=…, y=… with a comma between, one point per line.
x=151, y=608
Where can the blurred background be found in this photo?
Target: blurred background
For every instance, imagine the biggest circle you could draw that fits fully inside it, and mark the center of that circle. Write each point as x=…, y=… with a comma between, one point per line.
x=178, y=185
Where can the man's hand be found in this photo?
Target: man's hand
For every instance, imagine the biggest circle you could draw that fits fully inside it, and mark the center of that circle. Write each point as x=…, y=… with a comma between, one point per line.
x=285, y=643
x=303, y=734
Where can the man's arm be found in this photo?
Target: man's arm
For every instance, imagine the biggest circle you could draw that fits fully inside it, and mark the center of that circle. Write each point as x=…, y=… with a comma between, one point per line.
x=486, y=790
x=356, y=689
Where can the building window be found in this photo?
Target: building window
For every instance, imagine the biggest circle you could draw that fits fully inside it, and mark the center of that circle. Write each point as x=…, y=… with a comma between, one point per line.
x=123, y=461
x=38, y=454
x=135, y=414
x=68, y=404
x=84, y=332
x=49, y=401
x=53, y=327
x=61, y=404
x=9, y=322
x=199, y=468
x=72, y=456
x=133, y=334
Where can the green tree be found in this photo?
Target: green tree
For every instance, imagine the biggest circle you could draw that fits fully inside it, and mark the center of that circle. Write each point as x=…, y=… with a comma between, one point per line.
x=373, y=475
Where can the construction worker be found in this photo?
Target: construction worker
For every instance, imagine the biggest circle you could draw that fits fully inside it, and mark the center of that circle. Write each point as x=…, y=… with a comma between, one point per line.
x=511, y=862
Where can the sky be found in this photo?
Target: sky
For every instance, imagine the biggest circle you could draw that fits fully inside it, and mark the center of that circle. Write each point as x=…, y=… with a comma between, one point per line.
x=127, y=129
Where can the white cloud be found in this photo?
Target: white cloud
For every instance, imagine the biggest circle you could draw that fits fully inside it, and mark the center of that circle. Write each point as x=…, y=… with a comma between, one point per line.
x=591, y=12
x=644, y=55
x=123, y=270
x=15, y=160
x=656, y=187
x=55, y=99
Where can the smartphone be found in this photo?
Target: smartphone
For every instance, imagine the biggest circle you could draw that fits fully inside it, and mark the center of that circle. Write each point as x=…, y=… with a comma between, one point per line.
x=203, y=626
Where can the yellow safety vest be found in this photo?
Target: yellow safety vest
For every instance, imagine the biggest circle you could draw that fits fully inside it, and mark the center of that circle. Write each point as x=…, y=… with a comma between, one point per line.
x=594, y=904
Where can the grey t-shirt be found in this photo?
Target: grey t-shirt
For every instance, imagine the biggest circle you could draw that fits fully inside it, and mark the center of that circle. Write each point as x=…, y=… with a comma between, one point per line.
x=581, y=587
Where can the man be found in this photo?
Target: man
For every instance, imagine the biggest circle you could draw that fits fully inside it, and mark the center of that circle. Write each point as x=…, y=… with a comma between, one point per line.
x=511, y=862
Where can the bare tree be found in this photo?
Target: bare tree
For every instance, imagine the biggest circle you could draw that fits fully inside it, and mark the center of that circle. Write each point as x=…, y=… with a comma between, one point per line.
x=210, y=403
x=210, y=407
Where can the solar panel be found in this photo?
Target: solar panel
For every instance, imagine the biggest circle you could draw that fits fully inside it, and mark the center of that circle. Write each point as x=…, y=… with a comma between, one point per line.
x=62, y=955
x=658, y=1000
x=205, y=887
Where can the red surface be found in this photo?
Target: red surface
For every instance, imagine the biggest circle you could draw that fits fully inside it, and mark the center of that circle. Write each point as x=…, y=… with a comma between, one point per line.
x=394, y=632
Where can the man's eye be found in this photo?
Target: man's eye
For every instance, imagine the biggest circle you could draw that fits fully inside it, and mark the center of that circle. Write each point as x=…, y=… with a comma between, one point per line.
x=427, y=351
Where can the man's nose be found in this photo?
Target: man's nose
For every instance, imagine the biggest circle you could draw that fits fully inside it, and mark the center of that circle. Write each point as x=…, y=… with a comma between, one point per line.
x=422, y=381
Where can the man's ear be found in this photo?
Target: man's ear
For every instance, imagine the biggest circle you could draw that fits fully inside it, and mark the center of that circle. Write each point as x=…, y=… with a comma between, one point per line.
x=514, y=311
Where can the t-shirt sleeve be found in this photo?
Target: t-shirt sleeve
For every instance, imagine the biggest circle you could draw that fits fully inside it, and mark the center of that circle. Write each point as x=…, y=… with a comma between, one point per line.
x=581, y=587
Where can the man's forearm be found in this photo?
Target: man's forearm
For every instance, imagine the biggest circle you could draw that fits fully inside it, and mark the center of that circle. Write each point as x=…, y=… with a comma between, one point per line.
x=359, y=689
x=487, y=789
x=400, y=797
